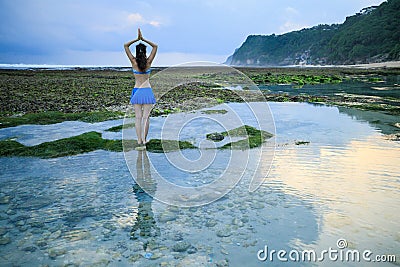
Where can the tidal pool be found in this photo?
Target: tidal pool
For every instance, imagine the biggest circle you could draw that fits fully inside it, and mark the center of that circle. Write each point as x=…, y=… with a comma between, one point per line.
x=87, y=210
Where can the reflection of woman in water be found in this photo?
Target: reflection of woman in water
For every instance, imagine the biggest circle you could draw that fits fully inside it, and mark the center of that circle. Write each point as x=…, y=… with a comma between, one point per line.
x=142, y=95
x=144, y=189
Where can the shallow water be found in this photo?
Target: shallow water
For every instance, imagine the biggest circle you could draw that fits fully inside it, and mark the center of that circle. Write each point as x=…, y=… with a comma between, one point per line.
x=86, y=209
x=388, y=86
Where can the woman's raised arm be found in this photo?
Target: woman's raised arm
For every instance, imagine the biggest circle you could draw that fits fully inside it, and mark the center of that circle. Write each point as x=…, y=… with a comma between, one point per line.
x=128, y=51
x=153, y=51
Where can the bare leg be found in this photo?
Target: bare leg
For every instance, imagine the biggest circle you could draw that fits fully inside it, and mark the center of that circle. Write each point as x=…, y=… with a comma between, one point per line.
x=146, y=119
x=138, y=123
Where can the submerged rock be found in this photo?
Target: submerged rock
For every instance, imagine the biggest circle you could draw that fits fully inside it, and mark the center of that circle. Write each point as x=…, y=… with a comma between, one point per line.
x=35, y=203
x=167, y=216
x=215, y=137
x=4, y=240
x=224, y=232
x=4, y=200
x=54, y=253
x=30, y=248
x=191, y=250
x=181, y=246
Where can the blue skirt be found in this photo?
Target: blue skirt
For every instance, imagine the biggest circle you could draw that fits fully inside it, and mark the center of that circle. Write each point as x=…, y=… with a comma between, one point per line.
x=142, y=96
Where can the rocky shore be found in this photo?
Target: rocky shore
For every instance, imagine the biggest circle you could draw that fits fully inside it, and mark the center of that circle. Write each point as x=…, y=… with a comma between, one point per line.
x=50, y=96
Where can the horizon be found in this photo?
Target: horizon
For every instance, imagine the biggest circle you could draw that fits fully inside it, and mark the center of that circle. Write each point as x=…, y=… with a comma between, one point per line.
x=80, y=33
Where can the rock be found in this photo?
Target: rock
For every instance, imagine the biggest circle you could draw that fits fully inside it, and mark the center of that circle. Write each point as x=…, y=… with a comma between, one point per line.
x=257, y=205
x=3, y=231
x=223, y=251
x=181, y=246
x=191, y=250
x=35, y=203
x=4, y=240
x=54, y=253
x=222, y=263
x=216, y=137
x=77, y=235
x=210, y=223
x=237, y=222
x=101, y=263
x=110, y=226
x=135, y=257
x=4, y=200
x=156, y=256
x=10, y=212
x=245, y=219
x=20, y=223
x=30, y=248
x=193, y=261
x=55, y=235
x=41, y=243
x=177, y=236
x=167, y=216
x=225, y=232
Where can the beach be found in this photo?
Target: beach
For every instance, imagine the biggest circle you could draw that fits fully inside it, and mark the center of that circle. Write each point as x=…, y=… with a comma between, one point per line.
x=302, y=153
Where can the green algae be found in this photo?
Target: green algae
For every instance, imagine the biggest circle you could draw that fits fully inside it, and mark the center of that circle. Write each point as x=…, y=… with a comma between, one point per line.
x=162, y=146
x=84, y=143
x=91, y=141
x=120, y=127
x=252, y=137
x=214, y=111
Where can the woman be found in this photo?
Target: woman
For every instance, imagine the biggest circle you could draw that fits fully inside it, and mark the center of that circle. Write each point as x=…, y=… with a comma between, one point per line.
x=142, y=96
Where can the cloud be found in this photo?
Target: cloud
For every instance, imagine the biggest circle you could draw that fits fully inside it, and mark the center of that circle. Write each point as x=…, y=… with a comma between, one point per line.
x=289, y=26
x=292, y=11
x=137, y=18
x=292, y=15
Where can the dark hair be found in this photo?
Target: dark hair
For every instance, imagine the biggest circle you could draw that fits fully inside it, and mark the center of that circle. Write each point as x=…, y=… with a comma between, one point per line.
x=141, y=58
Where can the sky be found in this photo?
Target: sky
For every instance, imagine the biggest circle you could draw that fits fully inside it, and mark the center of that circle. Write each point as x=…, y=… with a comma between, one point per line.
x=92, y=32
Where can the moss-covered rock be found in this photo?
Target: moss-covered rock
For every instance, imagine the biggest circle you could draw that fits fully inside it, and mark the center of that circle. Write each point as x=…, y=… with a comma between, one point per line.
x=120, y=127
x=252, y=137
x=160, y=146
x=84, y=143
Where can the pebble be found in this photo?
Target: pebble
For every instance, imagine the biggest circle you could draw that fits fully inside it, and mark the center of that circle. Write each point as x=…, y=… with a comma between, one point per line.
x=215, y=137
x=167, y=216
x=4, y=200
x=41, y=243
x=181, y=246
x=191, y=250
x=237, y=222
x=257, y=205
x=210, y=223
x=3, y=231
x=177, y=236
x=135, y=257
x=223, y=251
x=54, y=253
x=224, y=232
x=156, y=256
x=55, y=235
x=4, y=240
x=222, y=263
x=30, y=248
